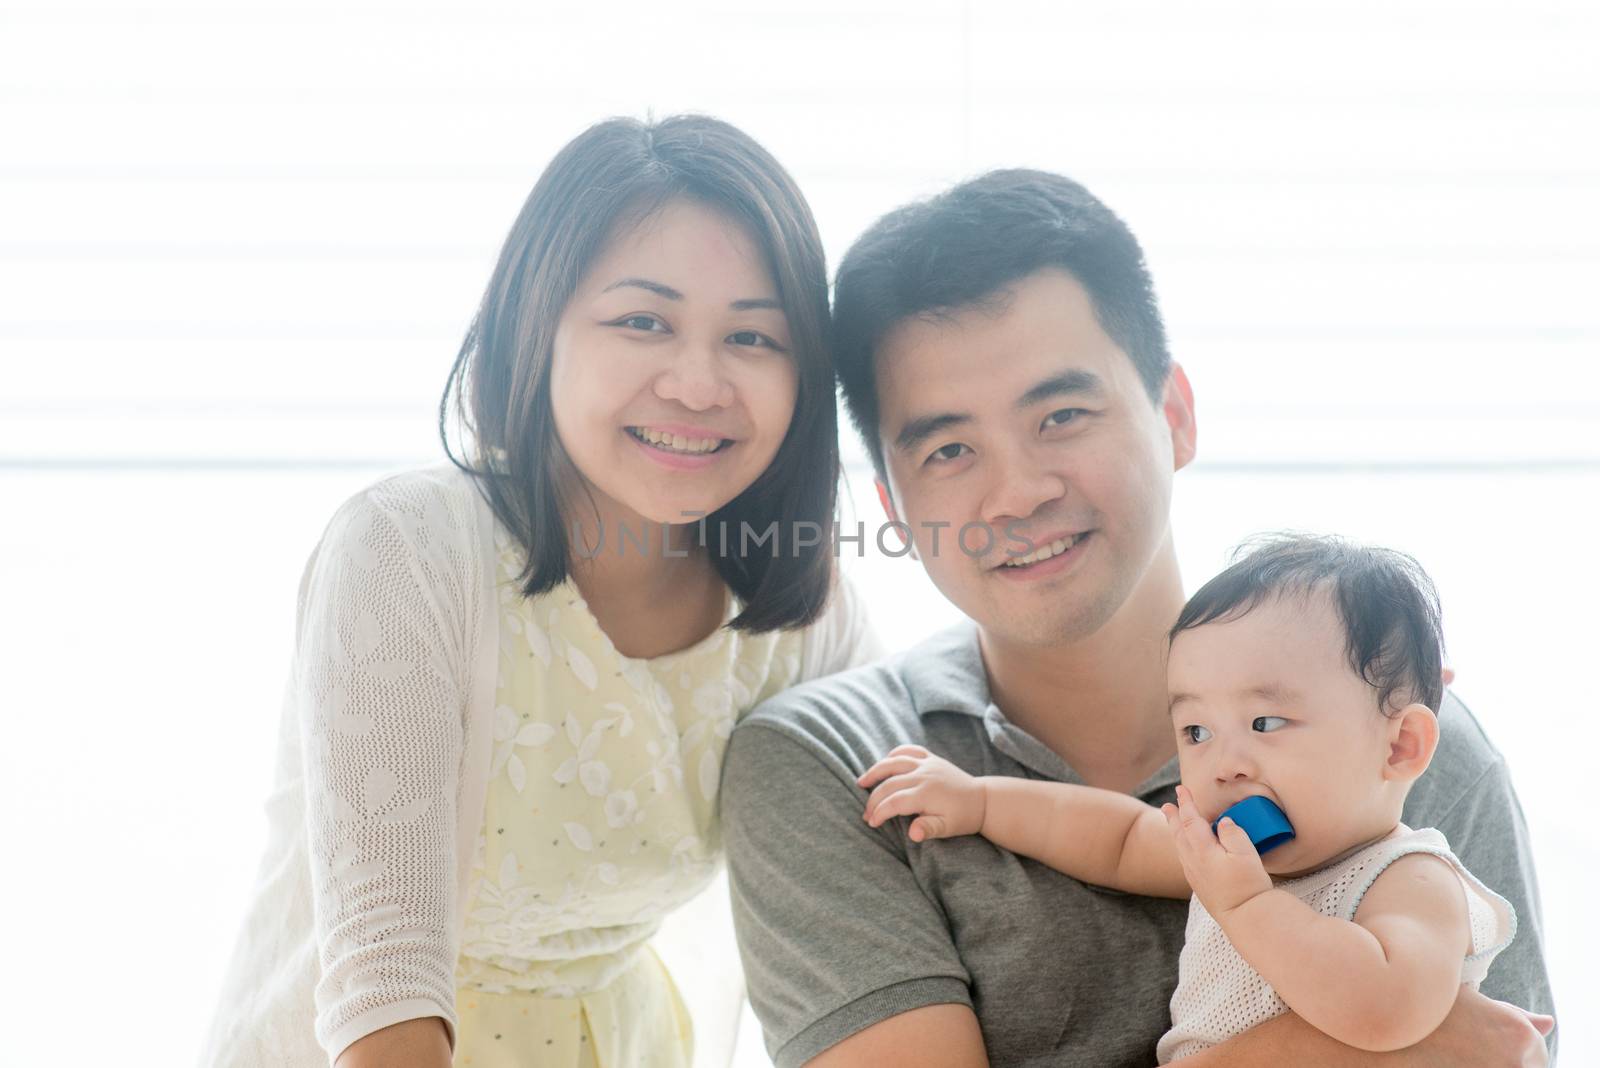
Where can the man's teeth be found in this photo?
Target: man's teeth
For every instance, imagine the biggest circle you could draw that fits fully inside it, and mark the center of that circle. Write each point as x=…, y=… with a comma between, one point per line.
x=675, y=442
x=1045, y=552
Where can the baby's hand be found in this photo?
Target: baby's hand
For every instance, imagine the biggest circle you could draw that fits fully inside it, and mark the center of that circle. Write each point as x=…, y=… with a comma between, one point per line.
x=1223, y=868
x=912, y=781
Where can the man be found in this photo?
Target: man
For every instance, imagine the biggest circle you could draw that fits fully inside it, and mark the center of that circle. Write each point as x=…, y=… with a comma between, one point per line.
x=1001, y=352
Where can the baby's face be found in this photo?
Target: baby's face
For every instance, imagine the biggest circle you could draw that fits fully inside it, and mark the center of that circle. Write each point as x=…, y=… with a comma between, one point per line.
x=1268, y=704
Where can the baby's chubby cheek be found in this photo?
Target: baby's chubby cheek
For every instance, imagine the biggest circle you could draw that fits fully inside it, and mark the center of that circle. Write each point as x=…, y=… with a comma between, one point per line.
x=1206, y=797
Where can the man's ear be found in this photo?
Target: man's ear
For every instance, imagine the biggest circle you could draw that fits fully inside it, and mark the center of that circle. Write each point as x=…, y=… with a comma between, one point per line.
x=1413, y=736
x=1177, y=406
x=886, y=499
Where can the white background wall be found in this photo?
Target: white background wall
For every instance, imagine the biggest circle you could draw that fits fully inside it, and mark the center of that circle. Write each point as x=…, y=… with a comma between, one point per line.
x=240, y=241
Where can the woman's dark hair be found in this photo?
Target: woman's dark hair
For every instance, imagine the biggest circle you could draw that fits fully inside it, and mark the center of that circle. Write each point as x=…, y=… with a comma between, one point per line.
x=614, y=174
x=963, y=247
x=1387, y=603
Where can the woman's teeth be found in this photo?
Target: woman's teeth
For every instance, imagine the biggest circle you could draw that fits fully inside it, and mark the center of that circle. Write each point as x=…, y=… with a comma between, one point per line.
x=675, y=443
x=1045, y=552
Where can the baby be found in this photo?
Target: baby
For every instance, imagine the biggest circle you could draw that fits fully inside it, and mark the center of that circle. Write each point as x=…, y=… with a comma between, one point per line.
x=1307, y=674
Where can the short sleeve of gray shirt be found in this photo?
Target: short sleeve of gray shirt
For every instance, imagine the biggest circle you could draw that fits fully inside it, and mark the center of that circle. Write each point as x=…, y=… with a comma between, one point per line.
x=842, y=926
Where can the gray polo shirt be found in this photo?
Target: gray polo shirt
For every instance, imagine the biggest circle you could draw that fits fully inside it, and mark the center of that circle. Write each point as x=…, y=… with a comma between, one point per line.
x=841, y=925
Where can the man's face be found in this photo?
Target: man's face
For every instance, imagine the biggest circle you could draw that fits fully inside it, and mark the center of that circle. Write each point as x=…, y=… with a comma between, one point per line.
x=1023, y=416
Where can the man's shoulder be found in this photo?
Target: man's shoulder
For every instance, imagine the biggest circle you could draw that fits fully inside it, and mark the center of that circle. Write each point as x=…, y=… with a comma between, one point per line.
x=1464, y=756
x=854, y=716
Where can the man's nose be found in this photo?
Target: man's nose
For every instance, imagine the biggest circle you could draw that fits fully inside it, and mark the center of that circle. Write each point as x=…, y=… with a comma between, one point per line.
x=696, y=379
x=1023, y=482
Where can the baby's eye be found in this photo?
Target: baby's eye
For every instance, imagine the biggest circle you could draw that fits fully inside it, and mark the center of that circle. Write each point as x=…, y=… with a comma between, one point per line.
x=1196, y=733
x=1268, y=723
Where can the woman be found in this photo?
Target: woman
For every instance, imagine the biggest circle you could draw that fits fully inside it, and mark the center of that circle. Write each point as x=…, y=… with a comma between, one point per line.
x=515, y=674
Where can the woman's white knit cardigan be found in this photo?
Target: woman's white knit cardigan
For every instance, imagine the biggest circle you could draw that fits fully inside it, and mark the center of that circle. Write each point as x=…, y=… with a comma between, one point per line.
x=381, y=773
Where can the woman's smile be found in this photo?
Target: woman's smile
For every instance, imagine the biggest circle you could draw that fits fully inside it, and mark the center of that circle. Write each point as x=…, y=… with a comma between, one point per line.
x=679, y=452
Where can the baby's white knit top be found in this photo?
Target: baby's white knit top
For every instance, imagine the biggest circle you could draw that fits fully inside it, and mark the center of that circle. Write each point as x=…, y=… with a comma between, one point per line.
x=1219, y=995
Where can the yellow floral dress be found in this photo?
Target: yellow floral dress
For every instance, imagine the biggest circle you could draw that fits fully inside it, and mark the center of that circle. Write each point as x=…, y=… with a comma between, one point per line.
x=600, y=819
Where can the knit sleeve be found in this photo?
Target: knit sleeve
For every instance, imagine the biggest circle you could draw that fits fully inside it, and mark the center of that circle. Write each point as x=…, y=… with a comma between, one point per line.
x=381, y=680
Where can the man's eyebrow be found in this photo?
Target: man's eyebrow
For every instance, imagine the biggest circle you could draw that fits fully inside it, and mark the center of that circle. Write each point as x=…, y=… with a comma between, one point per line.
x=660, y=290
x=1076, y=381
x=920, y=429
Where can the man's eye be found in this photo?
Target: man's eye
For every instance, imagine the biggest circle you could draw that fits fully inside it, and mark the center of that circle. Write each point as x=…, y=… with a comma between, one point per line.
x=1063, y=417
x=648, y=323
x=946, y=453
x=1268, y=723
x=1196, y=733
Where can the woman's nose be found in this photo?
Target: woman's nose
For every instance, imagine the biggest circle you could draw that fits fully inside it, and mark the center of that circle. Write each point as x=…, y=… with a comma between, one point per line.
x=695, y=379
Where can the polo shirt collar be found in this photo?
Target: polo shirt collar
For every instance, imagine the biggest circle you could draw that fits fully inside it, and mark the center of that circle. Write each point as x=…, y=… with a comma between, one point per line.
x=945, y=673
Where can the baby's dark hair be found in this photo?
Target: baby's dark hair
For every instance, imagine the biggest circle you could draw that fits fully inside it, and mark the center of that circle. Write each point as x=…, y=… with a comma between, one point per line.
x=1389, y=606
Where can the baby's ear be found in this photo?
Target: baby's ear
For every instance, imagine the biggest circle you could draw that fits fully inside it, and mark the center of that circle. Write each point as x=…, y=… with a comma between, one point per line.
x=1413, y=736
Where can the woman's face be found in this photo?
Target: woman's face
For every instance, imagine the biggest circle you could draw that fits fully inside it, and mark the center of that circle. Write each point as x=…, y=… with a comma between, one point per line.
x=672, y=382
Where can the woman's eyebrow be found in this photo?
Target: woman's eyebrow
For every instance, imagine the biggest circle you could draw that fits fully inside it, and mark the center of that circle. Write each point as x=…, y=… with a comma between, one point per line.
x=662, y=290
x=644, y=283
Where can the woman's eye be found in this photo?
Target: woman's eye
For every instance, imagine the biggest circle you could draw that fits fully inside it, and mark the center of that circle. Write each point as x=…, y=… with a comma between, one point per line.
x=1268, y=723
x=1196, y=733
x=647, y=323
x=753, y=338
x=1062, y=417
x=944, y=453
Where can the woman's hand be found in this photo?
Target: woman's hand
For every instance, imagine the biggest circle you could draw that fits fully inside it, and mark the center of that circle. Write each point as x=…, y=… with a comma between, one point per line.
x=1223, y=868
x=912, y=781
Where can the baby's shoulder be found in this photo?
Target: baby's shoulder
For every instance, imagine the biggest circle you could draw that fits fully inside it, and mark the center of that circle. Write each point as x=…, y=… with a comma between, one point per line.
x=1421, y=883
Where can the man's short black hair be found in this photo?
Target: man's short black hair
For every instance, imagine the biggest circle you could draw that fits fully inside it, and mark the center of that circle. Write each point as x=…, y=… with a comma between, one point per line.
x=1387, y=603
x=963, y=247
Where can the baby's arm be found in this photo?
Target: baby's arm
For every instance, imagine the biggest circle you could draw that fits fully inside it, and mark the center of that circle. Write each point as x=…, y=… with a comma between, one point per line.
x=1098, y=836
x=1382, y=982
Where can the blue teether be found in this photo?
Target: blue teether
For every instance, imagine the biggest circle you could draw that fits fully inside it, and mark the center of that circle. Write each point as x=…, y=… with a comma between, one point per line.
x=1263, y=821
